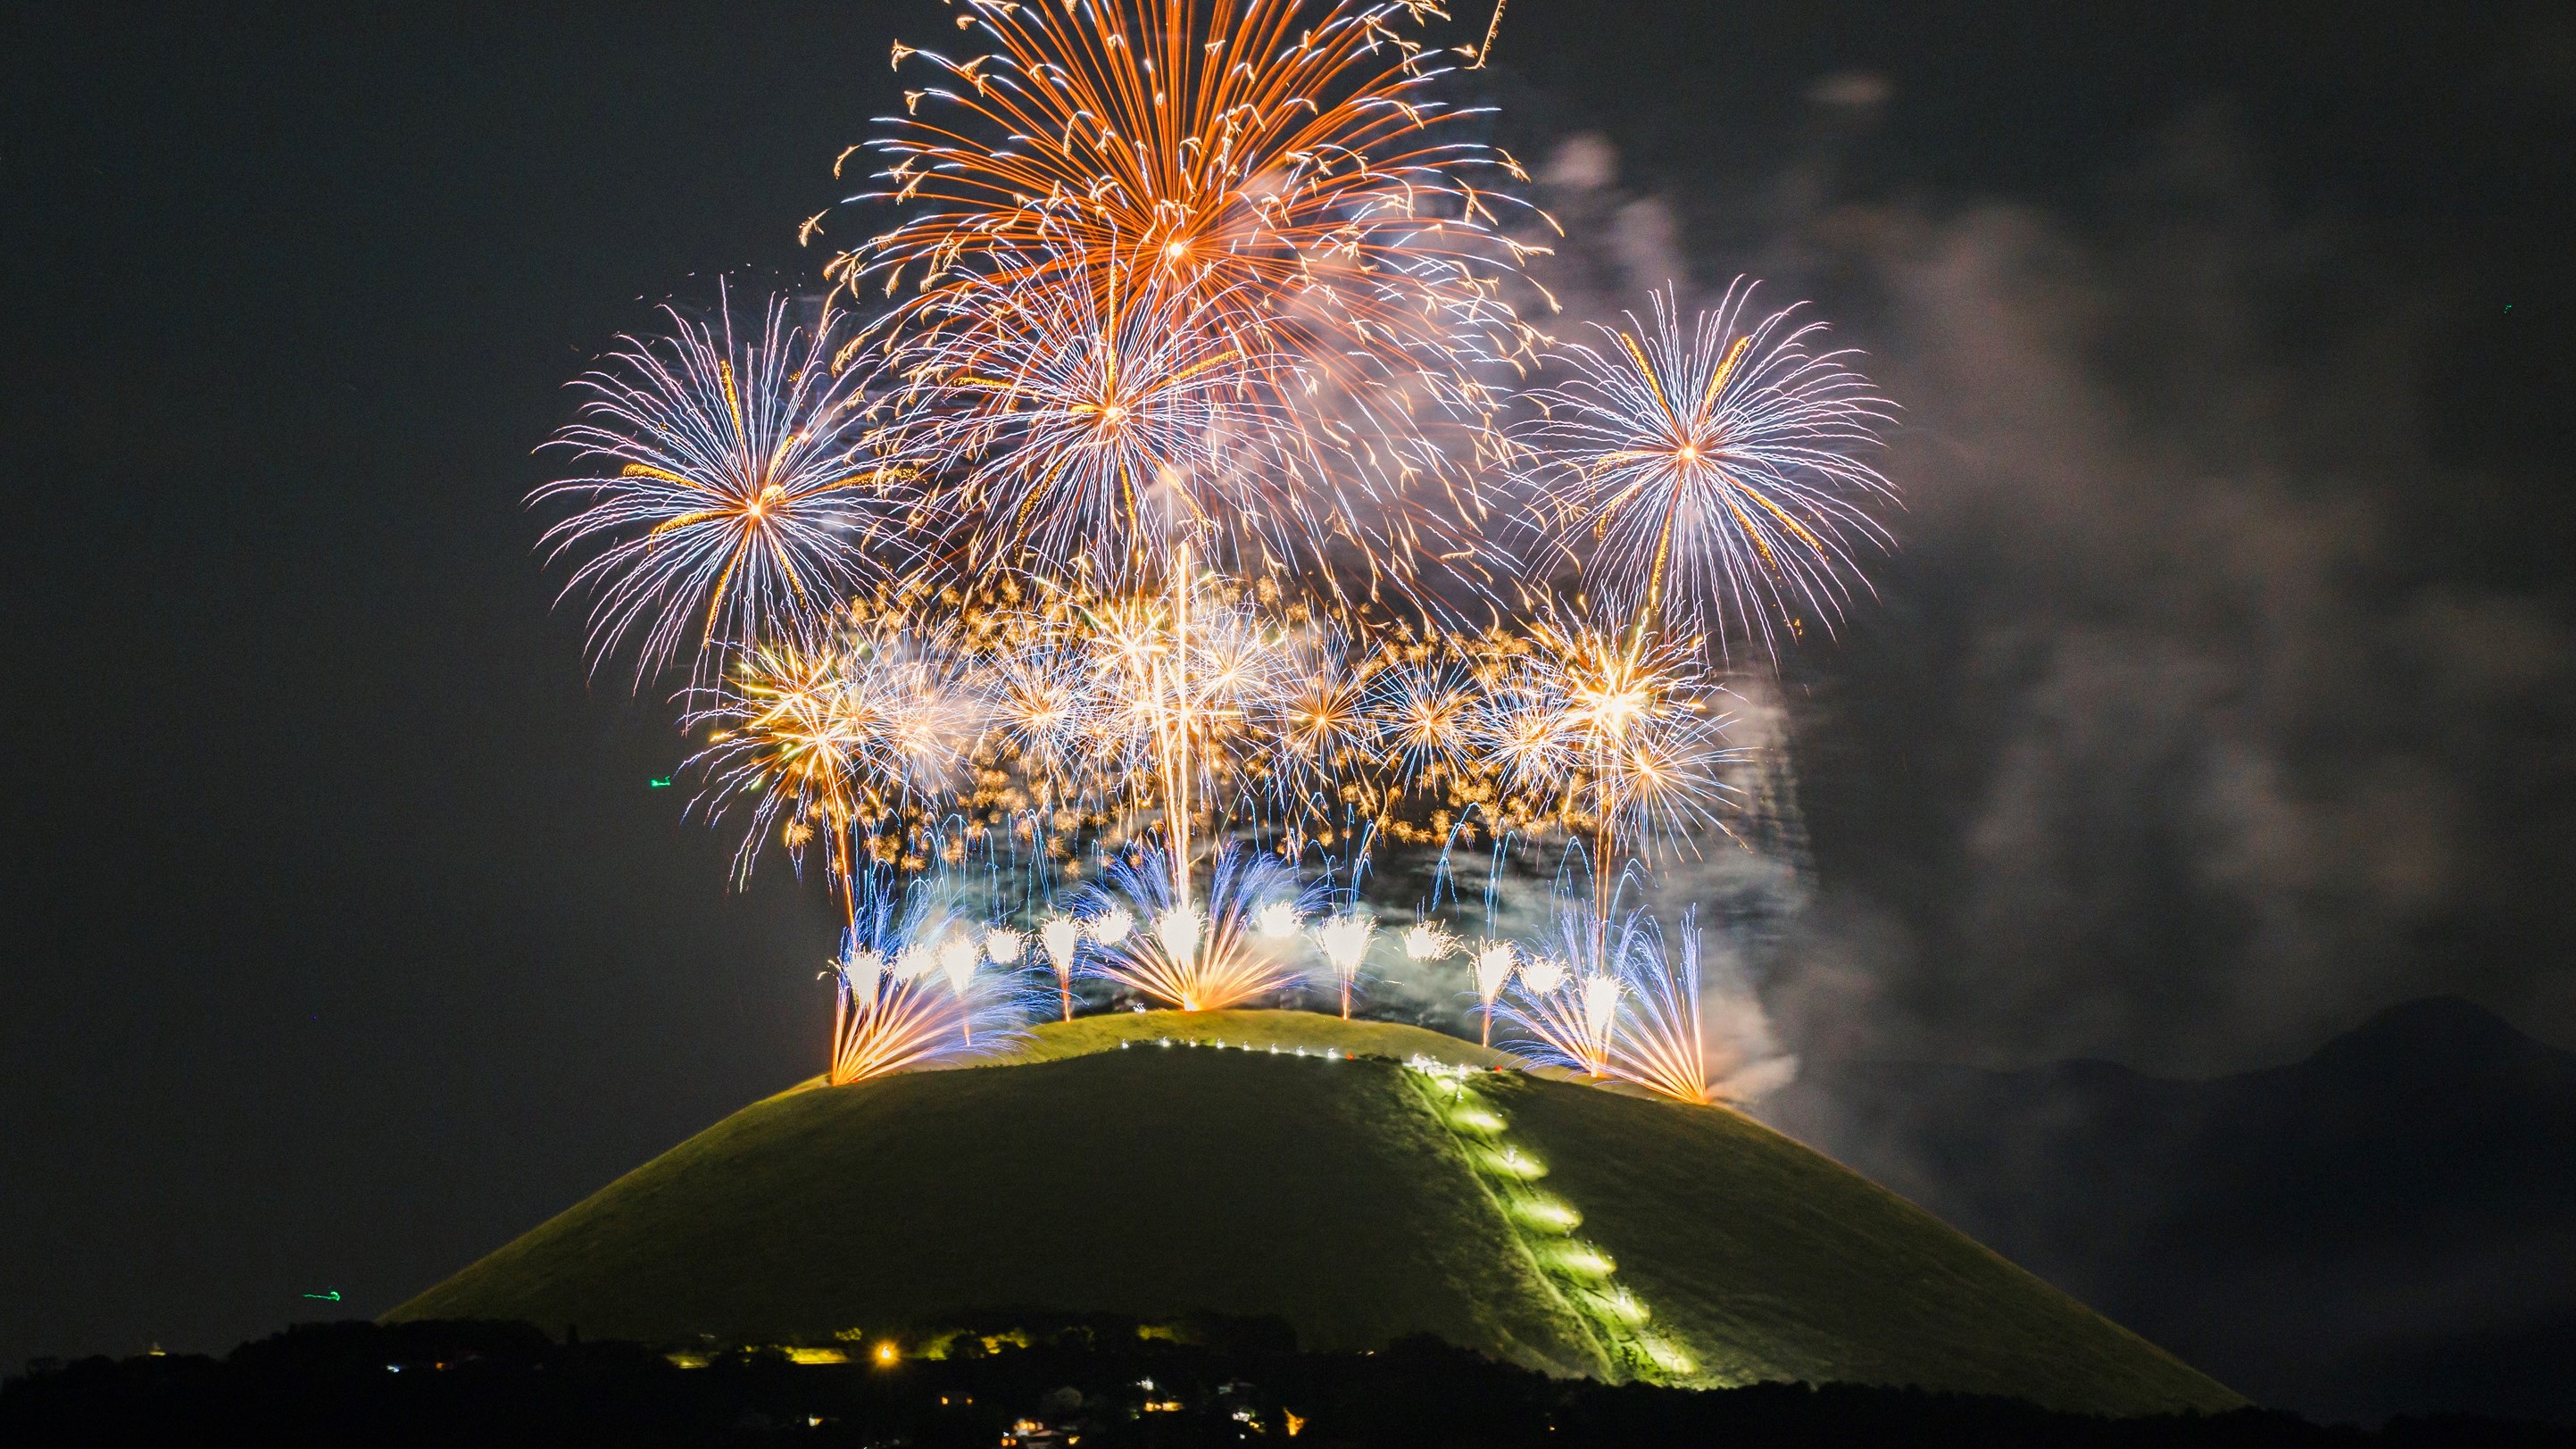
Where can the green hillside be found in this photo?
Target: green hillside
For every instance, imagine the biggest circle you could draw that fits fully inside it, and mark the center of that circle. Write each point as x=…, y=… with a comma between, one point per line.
x=1288, y=1165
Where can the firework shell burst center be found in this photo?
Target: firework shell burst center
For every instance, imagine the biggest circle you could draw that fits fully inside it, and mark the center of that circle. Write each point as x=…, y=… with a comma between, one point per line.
x=1170, y=523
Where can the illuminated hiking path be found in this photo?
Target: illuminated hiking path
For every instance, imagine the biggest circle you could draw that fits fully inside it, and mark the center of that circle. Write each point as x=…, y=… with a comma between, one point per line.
x=1581, y=1275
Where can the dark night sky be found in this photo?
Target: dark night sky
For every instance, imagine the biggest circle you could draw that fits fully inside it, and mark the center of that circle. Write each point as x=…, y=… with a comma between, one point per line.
x=2222, y=696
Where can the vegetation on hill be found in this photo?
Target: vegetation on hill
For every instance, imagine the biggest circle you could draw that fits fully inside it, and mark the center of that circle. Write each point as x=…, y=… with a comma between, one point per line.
x=1289, y=1166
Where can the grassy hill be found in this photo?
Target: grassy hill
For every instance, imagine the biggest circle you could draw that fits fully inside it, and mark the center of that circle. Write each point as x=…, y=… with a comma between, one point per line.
x=1281, y=1164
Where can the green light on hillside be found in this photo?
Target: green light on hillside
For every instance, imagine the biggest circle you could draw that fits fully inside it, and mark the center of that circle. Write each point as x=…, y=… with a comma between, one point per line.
x=1546, y=1213
x=1581, y=1272
x=1512, y=1162
x=1621, y=1306
x=1665, y=1357
x=1581, y=1260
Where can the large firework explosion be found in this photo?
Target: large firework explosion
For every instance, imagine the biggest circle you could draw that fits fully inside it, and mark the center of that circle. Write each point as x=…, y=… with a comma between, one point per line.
x=1703, y=477
x=1166, y=536
x=1090, y=425
x=737, y=504
x=1287, y=175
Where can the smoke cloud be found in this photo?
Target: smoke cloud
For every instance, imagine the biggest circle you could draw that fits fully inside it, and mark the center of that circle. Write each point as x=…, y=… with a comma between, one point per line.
x=2201, y=712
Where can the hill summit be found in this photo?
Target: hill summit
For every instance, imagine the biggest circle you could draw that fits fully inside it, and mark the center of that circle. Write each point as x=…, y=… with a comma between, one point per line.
x=1358, y=1181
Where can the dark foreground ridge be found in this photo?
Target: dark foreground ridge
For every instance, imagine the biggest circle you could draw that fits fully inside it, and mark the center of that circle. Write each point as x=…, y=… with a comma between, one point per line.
x=1093, y=1383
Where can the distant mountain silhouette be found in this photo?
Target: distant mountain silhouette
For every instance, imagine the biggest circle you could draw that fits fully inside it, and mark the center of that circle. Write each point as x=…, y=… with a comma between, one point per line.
x=2386, y=1227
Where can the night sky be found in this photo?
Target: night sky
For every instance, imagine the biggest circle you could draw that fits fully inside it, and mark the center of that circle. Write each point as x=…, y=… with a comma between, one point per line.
x=2224, y=694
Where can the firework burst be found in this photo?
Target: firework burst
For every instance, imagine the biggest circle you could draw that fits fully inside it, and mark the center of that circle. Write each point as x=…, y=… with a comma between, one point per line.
x=1704, y=476
x=1197, y=955
x=839, y=740
x=1044, y=713
x=1615, y=738
x=1419, y=713
x=1317, y=722
x=1089, y=425
x=775, y=747
x=736, y=505
x=1283, y=166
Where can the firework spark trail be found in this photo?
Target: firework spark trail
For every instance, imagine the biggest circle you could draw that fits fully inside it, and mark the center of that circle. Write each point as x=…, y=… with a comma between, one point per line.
x=907, y=993
x=1493, y=27
x=1704, y=477
x=1088, y=424
x=1566, y=1000
x=1285, y=166
x=1345, y=942
x=1198, y=955
x=739, y=508
x=838, y=739
x=1661, y=1045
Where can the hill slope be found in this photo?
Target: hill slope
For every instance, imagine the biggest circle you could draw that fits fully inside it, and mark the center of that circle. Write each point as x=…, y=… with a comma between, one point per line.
x=1355, y=1198
x=2381, y=1228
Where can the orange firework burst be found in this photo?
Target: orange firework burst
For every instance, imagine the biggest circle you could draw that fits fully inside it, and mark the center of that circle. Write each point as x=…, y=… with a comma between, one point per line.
x=777, y=745
x=1285, y=163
